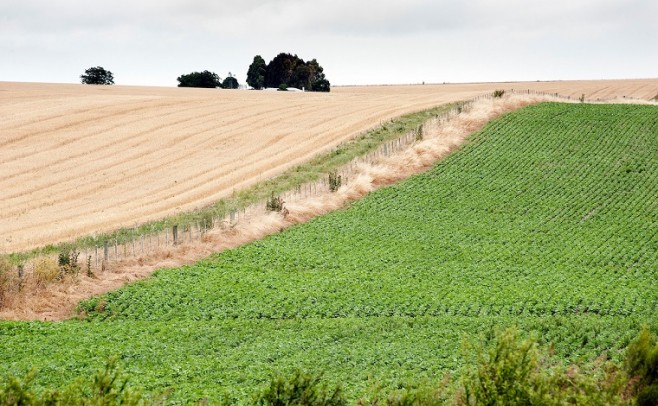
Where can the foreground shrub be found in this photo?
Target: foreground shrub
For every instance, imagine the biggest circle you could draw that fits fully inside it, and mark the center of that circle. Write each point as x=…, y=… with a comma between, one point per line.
x=105, y=388
x=513, y=371
x=642, y=366
x=300, y=389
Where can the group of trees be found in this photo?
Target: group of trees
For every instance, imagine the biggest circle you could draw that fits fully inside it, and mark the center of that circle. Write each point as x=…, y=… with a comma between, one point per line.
x=285, y=70
x=207, y=79
x=289, y=71
x=97, y=76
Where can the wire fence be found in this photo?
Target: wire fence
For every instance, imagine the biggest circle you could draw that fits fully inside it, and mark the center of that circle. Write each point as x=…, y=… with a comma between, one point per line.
x=104, y=255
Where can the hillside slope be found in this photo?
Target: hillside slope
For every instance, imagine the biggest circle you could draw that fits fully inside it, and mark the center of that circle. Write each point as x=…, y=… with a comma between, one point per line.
x=546, y=219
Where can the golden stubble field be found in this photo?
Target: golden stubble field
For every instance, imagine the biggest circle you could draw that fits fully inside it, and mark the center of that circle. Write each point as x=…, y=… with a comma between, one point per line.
x=76, y=160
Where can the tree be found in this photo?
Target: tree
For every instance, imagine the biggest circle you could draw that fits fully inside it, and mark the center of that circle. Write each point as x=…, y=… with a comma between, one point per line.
x=317, y=81
x=230, y=82
x=280, y=70
x=97, y=76
x=291, y=71
x=256, y=73
x=205, y=79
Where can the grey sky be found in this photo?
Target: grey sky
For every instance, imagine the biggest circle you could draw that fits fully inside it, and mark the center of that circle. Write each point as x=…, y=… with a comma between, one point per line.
x=151, y=42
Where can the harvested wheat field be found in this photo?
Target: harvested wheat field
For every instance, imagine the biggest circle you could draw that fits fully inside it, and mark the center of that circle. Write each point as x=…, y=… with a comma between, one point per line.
x=77, y=159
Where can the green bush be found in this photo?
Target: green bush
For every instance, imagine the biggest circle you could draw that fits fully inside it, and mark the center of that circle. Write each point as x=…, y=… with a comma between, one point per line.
x=106, y=388
x=648, y=396
x=300, y=389
x=498, y=93
x=514, y=371
x=68, y=262
x=642, y=366
x=506, y=373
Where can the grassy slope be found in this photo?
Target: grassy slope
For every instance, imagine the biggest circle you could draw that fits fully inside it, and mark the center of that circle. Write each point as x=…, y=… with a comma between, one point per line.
x=547, y=219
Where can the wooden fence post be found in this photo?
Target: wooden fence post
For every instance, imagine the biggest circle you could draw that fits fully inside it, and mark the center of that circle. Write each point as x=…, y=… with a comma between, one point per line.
x=106, y=251
x=174, y=232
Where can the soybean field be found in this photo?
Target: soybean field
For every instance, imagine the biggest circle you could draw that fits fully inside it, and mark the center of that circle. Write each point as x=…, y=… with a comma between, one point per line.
x=546, y=219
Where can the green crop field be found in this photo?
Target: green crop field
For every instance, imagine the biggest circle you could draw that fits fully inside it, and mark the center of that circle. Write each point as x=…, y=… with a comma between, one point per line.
x=547, y=219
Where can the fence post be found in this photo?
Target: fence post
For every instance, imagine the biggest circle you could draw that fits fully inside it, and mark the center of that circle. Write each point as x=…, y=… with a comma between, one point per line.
x=106, y=251
x=175, y=234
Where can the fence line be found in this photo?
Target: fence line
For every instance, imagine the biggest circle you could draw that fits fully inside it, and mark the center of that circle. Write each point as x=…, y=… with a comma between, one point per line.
x=100, y=257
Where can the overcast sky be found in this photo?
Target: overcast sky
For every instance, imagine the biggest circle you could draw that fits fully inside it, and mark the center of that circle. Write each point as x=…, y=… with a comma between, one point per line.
x=152, y=42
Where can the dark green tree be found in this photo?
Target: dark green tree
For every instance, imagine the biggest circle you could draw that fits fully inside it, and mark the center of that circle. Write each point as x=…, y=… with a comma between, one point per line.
x=280, y=70
x=256, y=73
x=97, y=76
x=317, y=80
x=205, y=79
x=292, y=71
x=230, y=82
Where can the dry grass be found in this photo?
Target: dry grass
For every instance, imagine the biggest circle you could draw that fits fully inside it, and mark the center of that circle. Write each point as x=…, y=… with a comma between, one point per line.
x=79, y=160
x=58, y=301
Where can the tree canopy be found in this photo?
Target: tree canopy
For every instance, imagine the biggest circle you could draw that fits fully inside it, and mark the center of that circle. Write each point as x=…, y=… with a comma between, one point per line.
x=289, y=70
x=97, y=76
x=231, y=82
x=256, y=73
x=205, y=79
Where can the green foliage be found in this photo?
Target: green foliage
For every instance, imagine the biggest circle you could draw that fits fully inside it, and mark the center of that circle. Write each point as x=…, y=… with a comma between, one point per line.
x=106, y=388
x=648, y=396
x=506, y=373
x=256, y=73
x=292, y=71
x=498, y=93
x=283, y=87
x=335, y=181
x=97, y=76
x=230, y=82
x=204, y=79
x=642, y=363
x=515, y=371
x=68, y=262
x=301, y=388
